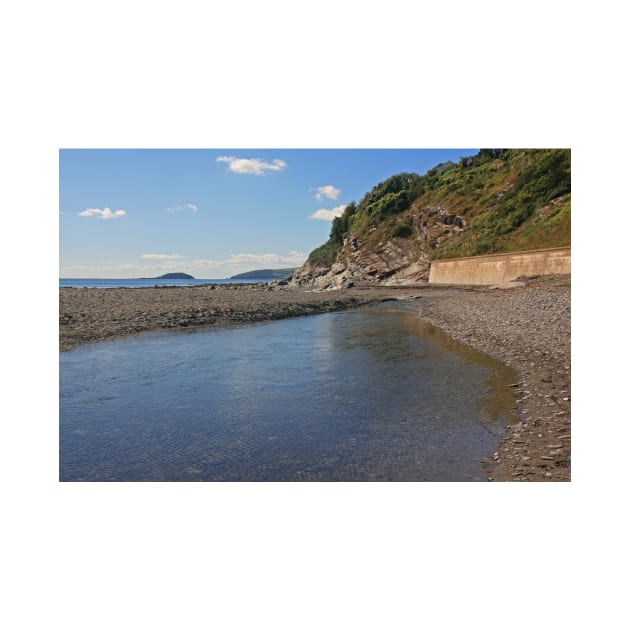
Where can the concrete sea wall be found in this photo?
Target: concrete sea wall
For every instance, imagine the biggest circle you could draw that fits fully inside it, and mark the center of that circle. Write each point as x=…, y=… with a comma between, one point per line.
x=500, y=268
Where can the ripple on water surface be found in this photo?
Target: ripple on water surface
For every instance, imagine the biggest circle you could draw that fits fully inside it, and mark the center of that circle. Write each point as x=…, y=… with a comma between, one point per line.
x=370, y=394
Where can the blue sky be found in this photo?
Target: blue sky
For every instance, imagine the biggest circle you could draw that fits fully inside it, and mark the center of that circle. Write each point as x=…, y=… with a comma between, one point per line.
x=127, y=213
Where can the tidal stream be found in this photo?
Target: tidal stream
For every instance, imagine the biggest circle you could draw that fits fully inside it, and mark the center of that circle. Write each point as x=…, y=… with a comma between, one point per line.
x=360, y=395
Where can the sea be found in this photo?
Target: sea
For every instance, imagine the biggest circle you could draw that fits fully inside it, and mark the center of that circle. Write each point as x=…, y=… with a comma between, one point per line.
x=369, y=394
x=132, y=283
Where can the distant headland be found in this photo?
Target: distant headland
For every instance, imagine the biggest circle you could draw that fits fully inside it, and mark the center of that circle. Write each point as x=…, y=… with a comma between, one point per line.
x=265, y=274
x=172, y=276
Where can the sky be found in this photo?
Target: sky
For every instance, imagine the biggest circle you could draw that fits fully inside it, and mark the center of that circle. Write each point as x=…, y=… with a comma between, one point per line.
x=212, y=213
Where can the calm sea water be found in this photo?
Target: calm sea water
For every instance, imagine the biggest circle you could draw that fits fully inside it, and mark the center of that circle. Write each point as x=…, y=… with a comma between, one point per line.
x=369, y=394
x=130, y=283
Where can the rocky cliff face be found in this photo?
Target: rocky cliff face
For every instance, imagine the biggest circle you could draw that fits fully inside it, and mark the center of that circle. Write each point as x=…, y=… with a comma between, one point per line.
x=389, y=261
x=501, y=200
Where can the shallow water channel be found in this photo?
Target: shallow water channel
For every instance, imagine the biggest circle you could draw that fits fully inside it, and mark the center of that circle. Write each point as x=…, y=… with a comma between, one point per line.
x=366, y=394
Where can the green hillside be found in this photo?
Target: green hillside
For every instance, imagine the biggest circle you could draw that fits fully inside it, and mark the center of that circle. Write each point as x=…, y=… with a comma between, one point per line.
x=501, y=200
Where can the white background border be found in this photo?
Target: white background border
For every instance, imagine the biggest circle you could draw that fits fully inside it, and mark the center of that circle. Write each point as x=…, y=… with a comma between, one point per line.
x=331, y=74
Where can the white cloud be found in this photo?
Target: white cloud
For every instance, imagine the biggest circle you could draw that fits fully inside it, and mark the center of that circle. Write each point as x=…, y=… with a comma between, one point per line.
x=293, y=258
x=185, y=206
x=327, y=191
x=205, y=262
x=328, y=215
x=252, y=166
x=114, y=270
x=157, y=264
x=207, y=268
x=102, y=214
x=163, y=256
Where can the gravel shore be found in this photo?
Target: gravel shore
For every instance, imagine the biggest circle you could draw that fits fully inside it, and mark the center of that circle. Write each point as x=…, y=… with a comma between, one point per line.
x=92, y=315
x=528, y=328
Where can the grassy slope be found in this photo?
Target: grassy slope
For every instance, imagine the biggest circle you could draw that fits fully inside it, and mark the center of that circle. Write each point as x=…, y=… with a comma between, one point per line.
x=498, y=201
x=518, y=202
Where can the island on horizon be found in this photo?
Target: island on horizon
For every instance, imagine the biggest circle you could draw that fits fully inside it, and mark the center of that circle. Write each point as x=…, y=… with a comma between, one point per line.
x=172, y=276
x=265, y=274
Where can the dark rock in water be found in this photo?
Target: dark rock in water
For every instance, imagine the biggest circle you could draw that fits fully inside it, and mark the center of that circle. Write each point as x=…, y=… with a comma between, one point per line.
x=172, y=276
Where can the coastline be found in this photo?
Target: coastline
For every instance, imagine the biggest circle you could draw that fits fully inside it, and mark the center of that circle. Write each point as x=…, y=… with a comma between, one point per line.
x=90, y=315
x=526, y=327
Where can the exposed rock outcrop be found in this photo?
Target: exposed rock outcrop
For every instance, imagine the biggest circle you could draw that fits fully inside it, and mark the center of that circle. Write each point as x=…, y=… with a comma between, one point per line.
x=390, y=261
x=499, y=201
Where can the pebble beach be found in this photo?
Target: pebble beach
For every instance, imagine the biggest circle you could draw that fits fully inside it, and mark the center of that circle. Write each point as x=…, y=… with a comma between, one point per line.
x=92, y=315
x=526, y=327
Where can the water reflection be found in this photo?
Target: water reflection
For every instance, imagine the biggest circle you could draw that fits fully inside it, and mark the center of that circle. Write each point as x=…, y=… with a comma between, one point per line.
x=498, y=401
x=372, y=394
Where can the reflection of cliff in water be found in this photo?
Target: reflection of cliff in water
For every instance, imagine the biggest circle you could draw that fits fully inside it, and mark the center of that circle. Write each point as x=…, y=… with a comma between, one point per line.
x=499, y=401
